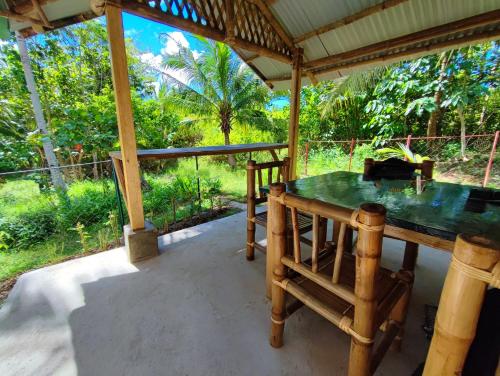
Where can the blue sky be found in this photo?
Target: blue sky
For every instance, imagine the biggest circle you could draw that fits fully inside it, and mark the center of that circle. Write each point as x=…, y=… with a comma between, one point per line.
x=149, y=37
x=147, y=34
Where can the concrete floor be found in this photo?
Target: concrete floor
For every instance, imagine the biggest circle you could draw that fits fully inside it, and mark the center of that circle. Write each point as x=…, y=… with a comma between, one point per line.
x=198, y=309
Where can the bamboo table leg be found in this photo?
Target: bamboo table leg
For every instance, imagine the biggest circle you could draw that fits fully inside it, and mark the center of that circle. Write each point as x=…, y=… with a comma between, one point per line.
x=400, y=312
x=460, y=304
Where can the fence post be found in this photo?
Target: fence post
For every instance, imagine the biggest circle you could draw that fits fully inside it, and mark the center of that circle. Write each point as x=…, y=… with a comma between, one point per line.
x=307, y=158
x=490, y=161
x=353, y=144
x=408, y=143
x=198, y=177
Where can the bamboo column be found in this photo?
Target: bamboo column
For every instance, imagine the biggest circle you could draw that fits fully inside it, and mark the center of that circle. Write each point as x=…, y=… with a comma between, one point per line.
x=293, y=128
x=251, y=210
x=276, y=226
x=460, y=304
x=125, y=118
x=369, y=252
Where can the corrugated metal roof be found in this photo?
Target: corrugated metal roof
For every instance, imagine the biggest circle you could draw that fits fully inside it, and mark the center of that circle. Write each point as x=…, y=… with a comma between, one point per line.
x=298, y=17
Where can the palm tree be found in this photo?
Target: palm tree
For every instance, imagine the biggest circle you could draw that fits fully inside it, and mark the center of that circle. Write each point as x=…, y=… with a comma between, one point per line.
x=217, y=87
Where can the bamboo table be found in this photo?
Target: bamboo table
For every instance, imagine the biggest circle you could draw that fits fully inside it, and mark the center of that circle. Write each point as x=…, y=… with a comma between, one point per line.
x=434, y=218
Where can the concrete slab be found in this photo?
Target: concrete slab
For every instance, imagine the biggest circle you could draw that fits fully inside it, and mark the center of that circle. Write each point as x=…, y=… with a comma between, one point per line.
x=197, y=309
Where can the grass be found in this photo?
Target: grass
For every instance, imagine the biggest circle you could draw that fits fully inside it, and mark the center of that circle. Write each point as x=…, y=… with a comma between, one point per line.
x=22, y=197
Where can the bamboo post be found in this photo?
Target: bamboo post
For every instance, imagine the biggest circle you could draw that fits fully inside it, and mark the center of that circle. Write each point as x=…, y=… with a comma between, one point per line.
x=251, y=210
x=351, y=152
x=369, y=251
x=125, y=118
x=490, y=161
x=460, y=304
x=293, y=128
x=276, y=226
x=286, y=169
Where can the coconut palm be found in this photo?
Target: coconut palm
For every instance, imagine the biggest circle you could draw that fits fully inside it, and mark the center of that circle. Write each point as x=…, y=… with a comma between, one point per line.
x=216, y=87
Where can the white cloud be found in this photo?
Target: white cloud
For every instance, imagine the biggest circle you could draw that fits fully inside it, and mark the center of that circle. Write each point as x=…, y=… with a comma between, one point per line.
x=155, y=61
x=174, y=40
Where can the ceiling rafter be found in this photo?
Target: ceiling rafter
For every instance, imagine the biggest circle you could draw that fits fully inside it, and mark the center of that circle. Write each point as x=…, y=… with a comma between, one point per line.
x=349, y=19
x=405, y=40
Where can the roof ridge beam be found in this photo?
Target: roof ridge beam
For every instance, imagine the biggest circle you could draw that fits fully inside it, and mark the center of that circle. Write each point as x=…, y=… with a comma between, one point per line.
x=349, y=19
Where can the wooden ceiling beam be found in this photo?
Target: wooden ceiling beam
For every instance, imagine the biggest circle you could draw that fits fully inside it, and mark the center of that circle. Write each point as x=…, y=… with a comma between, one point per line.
x=349, y=19
x=20, y=17
x=406, y=53
x=447, y=44
x=157, y=15
x=419, y=36
x=41, y=14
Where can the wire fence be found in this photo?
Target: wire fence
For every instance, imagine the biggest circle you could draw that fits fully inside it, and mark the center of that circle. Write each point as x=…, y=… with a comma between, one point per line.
x=465, y=160
x=90, y=212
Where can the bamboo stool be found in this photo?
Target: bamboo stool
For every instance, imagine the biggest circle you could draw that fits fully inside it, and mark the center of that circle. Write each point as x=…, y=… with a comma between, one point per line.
x=475, y=266
x=255, y=172
x=352, y=292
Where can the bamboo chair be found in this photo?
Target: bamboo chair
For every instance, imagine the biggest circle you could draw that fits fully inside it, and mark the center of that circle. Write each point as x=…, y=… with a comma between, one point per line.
x=351, y=291
x=254, y=170
x=393, y=168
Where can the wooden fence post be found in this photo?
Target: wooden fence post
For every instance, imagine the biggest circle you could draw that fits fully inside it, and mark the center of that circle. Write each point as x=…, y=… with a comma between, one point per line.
x=408, y=144
x=351, y=152
x=306, y=159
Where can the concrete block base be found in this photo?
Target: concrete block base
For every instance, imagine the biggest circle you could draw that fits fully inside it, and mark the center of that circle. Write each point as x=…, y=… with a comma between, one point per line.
x=141, y=244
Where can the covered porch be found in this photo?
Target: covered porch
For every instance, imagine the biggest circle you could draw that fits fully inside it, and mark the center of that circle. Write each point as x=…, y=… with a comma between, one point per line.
x=199, y=308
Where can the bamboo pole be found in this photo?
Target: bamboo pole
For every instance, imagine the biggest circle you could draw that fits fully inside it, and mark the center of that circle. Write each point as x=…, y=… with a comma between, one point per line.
x=369, y=251
x=460, y=305
x=297, y=255
x=339, y=253
x=490, y=161
x=293, y=128
x=125, y=118
x=276, y=226
x=250, y=210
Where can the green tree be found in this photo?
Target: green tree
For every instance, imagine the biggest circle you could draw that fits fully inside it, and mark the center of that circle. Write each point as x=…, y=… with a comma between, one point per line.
x=219, y=88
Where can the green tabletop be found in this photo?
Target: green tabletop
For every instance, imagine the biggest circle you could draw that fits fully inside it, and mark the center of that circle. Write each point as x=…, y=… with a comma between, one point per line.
x=442, y=209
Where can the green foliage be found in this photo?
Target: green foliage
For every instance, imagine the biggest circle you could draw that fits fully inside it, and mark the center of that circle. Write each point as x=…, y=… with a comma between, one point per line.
x=83, y=236
x=402, y=152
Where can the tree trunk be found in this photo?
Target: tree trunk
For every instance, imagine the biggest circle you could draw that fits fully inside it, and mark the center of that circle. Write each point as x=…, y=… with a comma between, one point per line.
x=230, y=158
x=41, y=125
x=432, y=124
x=461, y=116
